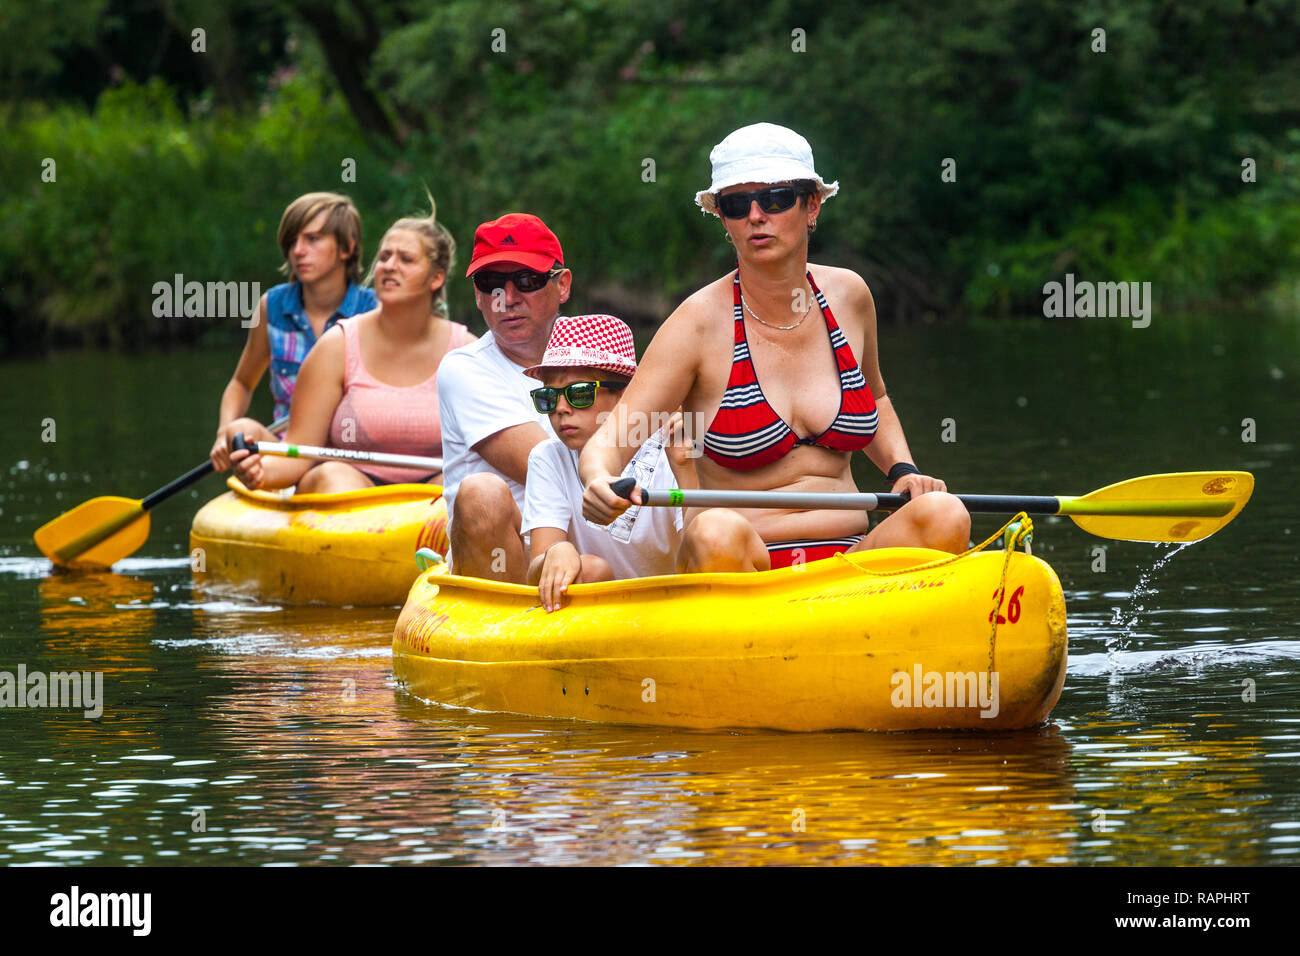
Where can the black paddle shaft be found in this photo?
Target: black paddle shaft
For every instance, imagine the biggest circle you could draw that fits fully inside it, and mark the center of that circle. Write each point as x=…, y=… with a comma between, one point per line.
x=180, y=484
x=200, y=471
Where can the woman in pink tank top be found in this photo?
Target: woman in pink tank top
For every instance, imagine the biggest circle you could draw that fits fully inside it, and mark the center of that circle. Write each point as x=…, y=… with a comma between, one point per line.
x=370, y=383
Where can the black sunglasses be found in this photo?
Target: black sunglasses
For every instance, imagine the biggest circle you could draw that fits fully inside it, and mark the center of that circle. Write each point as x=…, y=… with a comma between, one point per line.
x=577, y=394
x=772, y=199
x=525, y=280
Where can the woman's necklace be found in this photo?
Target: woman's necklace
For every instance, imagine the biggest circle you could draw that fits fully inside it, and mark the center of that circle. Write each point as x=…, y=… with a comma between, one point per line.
x=783, y=328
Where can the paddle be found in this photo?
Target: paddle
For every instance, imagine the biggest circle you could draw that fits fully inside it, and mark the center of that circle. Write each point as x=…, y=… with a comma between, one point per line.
x=330, y=454
x=1186, y=506
x=102, y=531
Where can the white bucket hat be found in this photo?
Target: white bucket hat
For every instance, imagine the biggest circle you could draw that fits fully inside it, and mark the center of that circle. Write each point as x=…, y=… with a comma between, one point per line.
x=762, y=153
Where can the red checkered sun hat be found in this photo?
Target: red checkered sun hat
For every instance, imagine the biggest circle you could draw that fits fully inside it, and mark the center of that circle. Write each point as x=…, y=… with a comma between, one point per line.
x=593, y=341
x=516, y=237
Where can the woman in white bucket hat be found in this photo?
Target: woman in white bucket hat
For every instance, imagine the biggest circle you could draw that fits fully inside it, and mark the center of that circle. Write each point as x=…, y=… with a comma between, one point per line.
x=788, y=398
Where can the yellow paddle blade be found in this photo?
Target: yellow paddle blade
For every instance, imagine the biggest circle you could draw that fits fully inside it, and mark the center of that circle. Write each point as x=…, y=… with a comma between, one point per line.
x=1186, y=506
x=94, y=534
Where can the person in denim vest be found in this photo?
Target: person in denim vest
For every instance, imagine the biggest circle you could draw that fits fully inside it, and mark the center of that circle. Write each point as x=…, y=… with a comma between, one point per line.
x=320, y=236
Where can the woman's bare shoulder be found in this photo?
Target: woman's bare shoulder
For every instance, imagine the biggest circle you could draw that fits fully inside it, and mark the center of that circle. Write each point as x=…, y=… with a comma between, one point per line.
x=845, y=281
x=845, y=290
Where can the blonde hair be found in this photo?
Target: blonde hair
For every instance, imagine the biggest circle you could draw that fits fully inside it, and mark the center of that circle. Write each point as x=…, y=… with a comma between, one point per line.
x=439, y=249
x=343, y=222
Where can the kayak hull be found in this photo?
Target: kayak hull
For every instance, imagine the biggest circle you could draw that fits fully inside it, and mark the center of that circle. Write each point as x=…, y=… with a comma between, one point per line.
x=854, y=642
x=349, y=548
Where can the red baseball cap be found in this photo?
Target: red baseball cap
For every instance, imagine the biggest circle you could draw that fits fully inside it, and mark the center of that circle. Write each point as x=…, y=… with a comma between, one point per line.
x=515, y=237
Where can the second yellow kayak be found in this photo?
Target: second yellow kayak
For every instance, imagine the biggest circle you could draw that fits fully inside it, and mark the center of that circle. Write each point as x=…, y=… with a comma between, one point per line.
x=349, y=548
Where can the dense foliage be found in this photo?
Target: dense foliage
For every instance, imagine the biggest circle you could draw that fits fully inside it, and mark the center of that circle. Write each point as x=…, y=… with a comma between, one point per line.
x=1125, y=164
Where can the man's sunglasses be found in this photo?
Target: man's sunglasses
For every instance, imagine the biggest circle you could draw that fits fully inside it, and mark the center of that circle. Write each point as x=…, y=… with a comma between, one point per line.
x=525, y=280
x=577, y=394
x=772, y=199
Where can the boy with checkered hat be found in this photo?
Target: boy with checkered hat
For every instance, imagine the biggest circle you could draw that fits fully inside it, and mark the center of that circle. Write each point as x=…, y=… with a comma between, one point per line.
x=589, y=360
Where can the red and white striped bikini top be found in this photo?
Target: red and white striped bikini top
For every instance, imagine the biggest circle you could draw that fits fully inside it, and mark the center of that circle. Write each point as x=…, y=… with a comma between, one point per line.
x=747, y=433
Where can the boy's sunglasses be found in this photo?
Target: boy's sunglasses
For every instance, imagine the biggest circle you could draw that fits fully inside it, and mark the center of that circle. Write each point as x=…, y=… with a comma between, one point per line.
x=525, y=280
x=772, y=199
x=577, y=394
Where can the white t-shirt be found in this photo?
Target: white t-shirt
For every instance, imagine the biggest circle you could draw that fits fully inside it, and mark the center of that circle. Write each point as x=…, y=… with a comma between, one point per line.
x=642, y=541
x=481, y=392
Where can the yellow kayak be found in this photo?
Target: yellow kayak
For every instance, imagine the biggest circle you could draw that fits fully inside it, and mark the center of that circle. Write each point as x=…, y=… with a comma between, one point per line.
x=348, y=548
x=891, y=639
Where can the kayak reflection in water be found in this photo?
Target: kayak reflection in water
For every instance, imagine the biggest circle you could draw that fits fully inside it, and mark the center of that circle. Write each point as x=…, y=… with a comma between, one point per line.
x=791, y=388
x=371, y=382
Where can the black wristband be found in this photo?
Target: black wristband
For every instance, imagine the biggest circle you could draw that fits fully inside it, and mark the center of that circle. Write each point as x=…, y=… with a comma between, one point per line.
x=899, y=470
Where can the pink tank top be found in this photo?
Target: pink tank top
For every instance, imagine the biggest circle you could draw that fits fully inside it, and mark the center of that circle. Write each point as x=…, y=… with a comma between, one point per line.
x=373, y=416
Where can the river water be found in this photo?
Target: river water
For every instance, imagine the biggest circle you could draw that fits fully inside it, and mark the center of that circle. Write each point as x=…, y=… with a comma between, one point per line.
x=269, y=734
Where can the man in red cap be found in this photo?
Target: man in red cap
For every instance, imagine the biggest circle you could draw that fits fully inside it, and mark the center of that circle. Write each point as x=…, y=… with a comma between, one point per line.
x=489, y=423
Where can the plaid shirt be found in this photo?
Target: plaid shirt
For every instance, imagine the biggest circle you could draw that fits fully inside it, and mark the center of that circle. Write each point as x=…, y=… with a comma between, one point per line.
x=292, y=336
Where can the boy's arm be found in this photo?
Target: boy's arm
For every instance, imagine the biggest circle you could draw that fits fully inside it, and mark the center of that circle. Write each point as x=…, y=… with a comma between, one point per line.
x=238, y=394
x=253, y=363
x=539, y=539
x=546, y=517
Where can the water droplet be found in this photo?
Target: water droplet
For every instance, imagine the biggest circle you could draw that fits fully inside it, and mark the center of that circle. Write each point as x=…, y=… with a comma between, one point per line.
x=1141, y=591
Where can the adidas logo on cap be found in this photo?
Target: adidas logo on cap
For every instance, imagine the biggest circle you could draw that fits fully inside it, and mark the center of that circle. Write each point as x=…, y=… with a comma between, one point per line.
x=515, y=237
